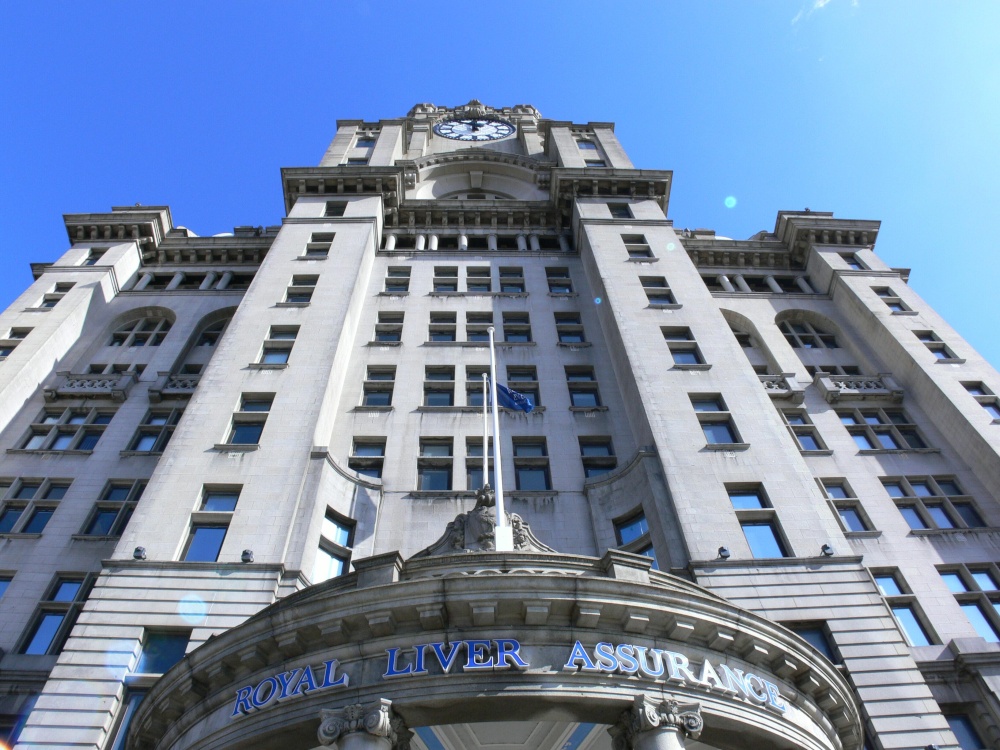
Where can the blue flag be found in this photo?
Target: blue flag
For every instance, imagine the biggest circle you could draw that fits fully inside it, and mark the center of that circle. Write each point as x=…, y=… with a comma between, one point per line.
x=513, y=400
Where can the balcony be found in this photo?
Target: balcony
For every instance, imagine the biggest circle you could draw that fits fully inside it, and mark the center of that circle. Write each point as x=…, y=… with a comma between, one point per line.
x=114, y=386
x=170, y=385
x=783, y=386
x=880, y=387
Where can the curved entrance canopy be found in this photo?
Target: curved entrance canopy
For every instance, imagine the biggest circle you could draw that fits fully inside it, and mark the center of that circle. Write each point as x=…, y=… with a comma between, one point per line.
x=500, y=646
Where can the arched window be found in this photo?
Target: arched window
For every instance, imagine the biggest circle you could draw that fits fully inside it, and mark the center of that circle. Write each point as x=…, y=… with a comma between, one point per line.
x=142, y=332
x=807, y=336
x=210, y=336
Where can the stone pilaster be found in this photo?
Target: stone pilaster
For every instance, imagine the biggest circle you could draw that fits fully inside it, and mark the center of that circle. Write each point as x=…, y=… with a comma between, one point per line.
x=649, y=725
x=372, y=726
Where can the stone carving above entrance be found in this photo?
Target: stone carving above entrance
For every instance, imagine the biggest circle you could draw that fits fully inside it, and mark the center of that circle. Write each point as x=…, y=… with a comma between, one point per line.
x=474, y=531
x=657, y=725
x=373, y=726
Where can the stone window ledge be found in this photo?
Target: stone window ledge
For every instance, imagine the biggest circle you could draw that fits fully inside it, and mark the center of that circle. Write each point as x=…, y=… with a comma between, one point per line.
x=905, y=312
x=643, y=260
x=292, y=304
x=863, y=534
x=585, y=409
x=384, y=343
x=953, y=532
x=13, y=535
x=726, y=446
x=130, y=454
x=37, y=309
x=39, y=452
x=574, y=344
x=824, y=452
x=951, y=361
x=896, y=451
x=394, y=294
x=563, y=294
x=93, y=538
x=266, y=366
x=373, y=408
x=235, y=447
x=671, y=306
x=692, y=367
x=312, y=257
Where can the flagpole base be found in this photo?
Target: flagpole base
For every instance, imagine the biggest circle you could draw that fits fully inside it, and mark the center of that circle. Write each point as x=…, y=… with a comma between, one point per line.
x=504, y=538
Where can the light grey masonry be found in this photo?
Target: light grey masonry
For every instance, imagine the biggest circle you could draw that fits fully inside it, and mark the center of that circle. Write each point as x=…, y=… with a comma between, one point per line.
x=675, y=428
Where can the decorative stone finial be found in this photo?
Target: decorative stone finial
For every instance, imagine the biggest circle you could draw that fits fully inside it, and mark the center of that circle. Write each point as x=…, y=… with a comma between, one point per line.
x=646, y=715
x=375, y=719
x=474, y=531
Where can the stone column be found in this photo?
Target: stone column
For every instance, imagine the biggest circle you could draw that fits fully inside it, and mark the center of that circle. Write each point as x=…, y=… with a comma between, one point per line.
x=432, y=242
x=491, y=242
x=145, y=281
x=804, y=285
x=564, y=243
x=522, y=243
x=725, y=283
x=175, y=281
x=421, y=241
x=208, y=281
x=533, y=243
x=372, y=726
x=463, y=242
x=390, y=242
x=224, y=281
x=650, y=725
x=773, y=285
x=741, y=283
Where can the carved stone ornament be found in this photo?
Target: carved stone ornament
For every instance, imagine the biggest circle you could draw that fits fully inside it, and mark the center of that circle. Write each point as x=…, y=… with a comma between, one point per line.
x=377, y=719
x=646, y=715
x=474, y=531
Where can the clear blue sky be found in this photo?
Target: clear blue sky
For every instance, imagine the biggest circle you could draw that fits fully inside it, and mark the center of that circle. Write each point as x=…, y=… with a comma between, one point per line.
x=870, y=109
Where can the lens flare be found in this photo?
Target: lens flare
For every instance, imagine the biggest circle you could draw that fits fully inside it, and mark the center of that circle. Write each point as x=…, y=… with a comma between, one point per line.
x=671, y=246
x=192, y=609
x=597, y=300
x=730, y=201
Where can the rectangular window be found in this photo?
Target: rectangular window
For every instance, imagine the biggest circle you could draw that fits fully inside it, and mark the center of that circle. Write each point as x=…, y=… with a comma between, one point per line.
x=985, y=398
x=512, y=280
x=434, y=465
x=559, y=280
x=389, y=327
x=474, y=464
x=442, y=327
x=30, y=505
x=657, y=291
x=597, y=455
x=205, y=542
x=965, y=732
x=637, y=247
x=248, y=421
x=474, y=385
x=933, y=503
x=55, y=615
x=716, y=421
x=516, y=328
x=882, y=429
x=848, y=508
x=892, y=301
x=334, y=554
x=852, y=262
x=155, y=431
x=477, y=280
x=368, y=456
x=113, y=511
x=620, y=210
x=300, y=291
x=378, y=385
x=365, y=142
x=531, y=465
x=319, y=245
x=594, y=163
x=586, y=145
x=975, y=589
x=525, y=380
x=335, y=209
x=763, y=538
x=94, y=256
x=803, y=430
x=67, y=429
x=219, y=499
x=749, y=498
x=935, y=346
x=278, y=345
x=583, y=389
x=477, y=326
x=439, y=386
x=161, y=650
x=397, y=280
x=817, y=636
x=903, y=605
x=683, y=348
x=569, y=328
x=445, y=279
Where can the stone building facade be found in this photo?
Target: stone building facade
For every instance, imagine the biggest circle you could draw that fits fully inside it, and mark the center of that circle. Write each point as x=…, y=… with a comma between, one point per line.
x=756, y=503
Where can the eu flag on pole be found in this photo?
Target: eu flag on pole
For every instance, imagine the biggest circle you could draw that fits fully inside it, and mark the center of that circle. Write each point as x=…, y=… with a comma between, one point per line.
x=513, y=400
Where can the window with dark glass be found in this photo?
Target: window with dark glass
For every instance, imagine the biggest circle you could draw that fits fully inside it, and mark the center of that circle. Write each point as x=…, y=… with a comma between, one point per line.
x=113, y=511
x=474, y=464
x=442, y=327
x=378, y=386
x=76, y=429
x=807, y=336
x=161, y=649
x=143, y=332
x=477, y=280
x=802, y=429
x=682, y=345
x=319, y=245
x=531, y=464
x=205, y=542
x=934, y=502
x=904, y=607
x=637, y=247
x=512, y=280
x=50, y=626
x=434, y=464
x=583, y=388
x=368, y=456
x=278, y=345
x=335, y=208
x=516, y=327
x=439, y=386
x=597, y=455
x=882, y=429
x=334, y=554
x=248, y=421
x=397, y=279
x=716, y=421
x=389, y=327
x=525, y=380
x=445, y=279
x=559, y=280
x=632, y=533
x=300, y=291
x=620, y=210
x=477, y=326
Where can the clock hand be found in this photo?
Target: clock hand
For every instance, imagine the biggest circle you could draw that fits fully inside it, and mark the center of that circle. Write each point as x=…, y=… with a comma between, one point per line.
x=475, y=125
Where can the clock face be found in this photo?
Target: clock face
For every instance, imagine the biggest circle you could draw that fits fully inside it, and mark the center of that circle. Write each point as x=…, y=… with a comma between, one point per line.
x=474, y=129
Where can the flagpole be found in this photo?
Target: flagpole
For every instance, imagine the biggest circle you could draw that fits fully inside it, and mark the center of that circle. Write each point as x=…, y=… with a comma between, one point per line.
x=504, y=534
x=486, y=432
